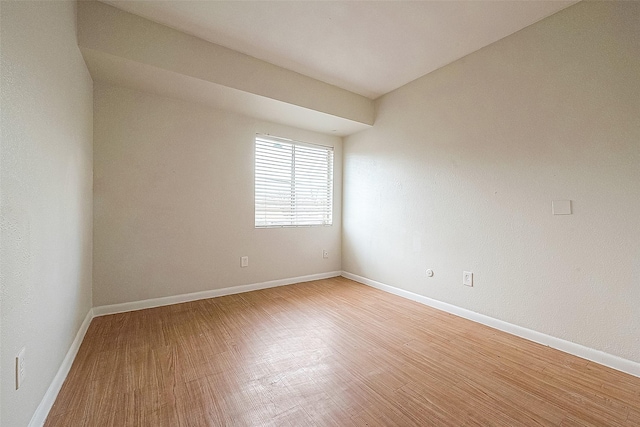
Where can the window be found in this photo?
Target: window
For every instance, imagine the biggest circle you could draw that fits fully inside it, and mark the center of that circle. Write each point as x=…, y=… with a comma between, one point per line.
x=293, y=183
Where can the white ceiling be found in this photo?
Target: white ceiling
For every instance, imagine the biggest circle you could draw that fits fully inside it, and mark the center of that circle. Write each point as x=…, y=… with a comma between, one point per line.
x=369, y=48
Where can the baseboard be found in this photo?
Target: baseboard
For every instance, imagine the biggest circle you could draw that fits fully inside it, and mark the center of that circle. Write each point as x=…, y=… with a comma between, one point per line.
x=597, y=356
x=40, y=416
x=177, y=299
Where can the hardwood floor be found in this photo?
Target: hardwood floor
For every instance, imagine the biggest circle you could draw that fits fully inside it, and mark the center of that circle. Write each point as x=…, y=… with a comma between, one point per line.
x=328, y=353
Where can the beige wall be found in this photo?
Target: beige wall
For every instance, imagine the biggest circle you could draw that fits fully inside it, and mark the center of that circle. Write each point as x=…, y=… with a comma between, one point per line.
x=173, y=201
x=46, y=211
x=460, y=169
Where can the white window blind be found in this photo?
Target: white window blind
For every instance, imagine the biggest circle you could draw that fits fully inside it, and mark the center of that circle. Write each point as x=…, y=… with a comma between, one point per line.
x=293, y=183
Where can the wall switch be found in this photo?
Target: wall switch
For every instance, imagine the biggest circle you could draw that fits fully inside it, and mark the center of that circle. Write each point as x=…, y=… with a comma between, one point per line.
x=325, y=254
x=20, y=368
x=561, y=207
x=467, y=278
x=244, y=261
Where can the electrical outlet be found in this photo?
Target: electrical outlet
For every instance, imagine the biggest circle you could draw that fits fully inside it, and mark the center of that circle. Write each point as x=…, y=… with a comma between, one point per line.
x=325, y=254
x=20, y=368
x=244, y=261
x=467, y=278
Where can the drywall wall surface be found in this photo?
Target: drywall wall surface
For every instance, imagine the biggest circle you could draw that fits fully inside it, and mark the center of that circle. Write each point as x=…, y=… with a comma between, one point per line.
x=462, y=165
x=46, y=186
x=105, y=29
x=174, y=201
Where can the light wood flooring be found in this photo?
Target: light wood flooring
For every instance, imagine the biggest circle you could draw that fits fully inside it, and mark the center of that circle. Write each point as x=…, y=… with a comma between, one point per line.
x=328, y=353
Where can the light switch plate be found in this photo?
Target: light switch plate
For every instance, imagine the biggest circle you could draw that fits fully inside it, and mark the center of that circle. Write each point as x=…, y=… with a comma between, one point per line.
x=20, y=368
x=244, y=261
x=561, y=207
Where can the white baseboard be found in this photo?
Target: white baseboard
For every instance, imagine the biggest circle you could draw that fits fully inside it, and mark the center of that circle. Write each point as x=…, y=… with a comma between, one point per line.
x=40, y=416
x=177, y=299
x=597, y=356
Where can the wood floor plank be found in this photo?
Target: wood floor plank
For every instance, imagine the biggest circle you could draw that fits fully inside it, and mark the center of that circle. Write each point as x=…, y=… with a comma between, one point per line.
x=328, y=353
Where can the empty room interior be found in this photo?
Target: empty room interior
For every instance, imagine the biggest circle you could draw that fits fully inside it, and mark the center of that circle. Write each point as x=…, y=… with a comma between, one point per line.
x=320, y=213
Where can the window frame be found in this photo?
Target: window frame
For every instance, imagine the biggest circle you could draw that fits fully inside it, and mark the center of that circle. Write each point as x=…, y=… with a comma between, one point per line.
x=307, y=155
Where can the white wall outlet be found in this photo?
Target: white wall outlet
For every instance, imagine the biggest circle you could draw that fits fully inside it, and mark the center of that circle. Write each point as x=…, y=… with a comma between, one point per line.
x=429, y=273
x=244, y=261
x=20, y=368
x=325, y=254
x=467, y=278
